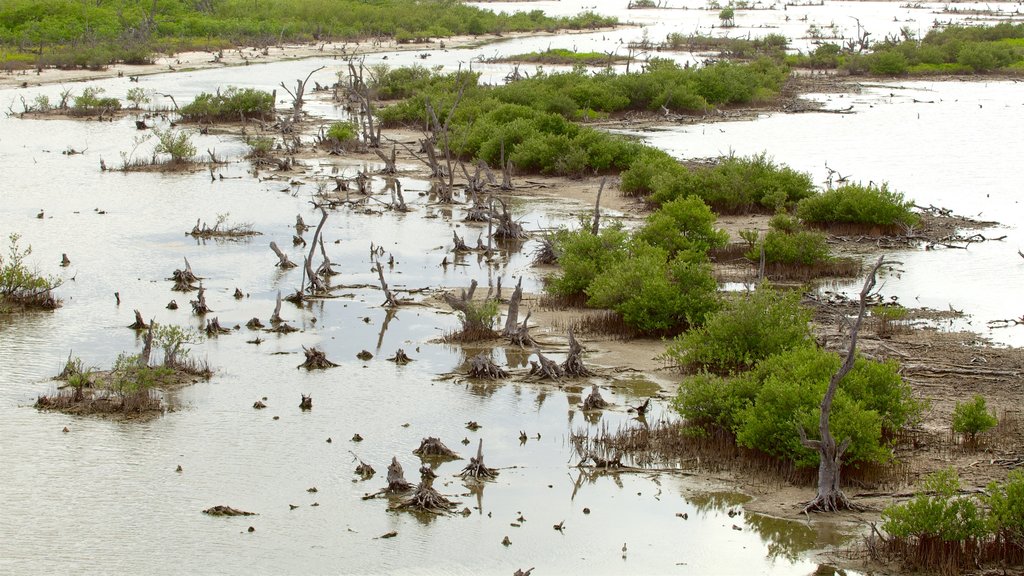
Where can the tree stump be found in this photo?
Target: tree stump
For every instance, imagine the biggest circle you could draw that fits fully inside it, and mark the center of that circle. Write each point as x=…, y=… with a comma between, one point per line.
x=226, y=511
x=427, y=473
x=306, y=403
x=184, y=280
x=316, y=359
x=254, y=324
x=365, y=471
x=199, y=306
x=460, y=243
x=433, y=448
x=573, y=365
x=512, y=316
x=172, y=305
x=641, y=409
x=238, y=294
x=507, y=227
x=521, y=336
x=139, y=323
x=400, y=358
x=389, y=298
x=594, y=401
x=300, y=226
x=476, y=468
x=213, y=328
x=545, y=368
x=427, y=499
x=481, y=366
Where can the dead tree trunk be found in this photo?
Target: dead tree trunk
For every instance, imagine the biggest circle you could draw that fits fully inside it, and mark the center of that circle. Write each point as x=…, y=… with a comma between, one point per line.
x=325, y=270
x=596, y=226
x=573, y=365
x=147, y=347
x=545, y=368
x=594, y=400
x=316, y=359
x=512, y=318
x=508, y=228
x=315, y=285
x=389, y=163
x=282, y=259
x=199, y=306
x=396, y=477
x=389, y=298
x=275, y=318
x=521, y=336
x=481, y=366
x=830, y=497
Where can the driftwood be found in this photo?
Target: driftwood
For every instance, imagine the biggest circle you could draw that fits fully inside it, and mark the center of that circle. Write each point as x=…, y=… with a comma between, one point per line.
x=400, y=358
x=545, y=368
x=199, y=306
x=476, y=468
x=594, y=401
x=282, y=259
x=481, y=366
x=227, y=511
x=316, y=359
x=573, y=365
x=306, y=403
x=433, y=448
x=427, y=499
x=139, y=323
x=213, y=328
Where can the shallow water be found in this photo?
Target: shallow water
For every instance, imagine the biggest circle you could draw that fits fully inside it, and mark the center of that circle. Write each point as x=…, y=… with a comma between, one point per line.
x=105, y=497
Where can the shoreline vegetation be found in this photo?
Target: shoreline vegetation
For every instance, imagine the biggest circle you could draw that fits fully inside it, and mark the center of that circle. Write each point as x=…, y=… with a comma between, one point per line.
x=71, y=35
x=753, y=365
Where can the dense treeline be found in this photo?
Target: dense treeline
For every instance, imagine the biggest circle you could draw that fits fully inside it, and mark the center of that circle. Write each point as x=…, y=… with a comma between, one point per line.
x=93, y=34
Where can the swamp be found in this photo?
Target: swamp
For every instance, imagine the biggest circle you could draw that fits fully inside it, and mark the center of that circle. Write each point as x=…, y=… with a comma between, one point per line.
x=511, y=287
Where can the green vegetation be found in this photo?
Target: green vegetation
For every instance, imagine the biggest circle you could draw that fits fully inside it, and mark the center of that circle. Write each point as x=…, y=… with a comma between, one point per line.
x=90, y=102
x=175, y=143
x=764, y=407
x=888, y=317
x=972, y=418
x=787, y=242
x=137, y=97
x=231, y=105
x=944, y=530
x=858, y=204
x=727, y=17
x=734, y=185
x=93, y=34
x=749, y=328
x=532, y=119
x=771, y=45
x=341, y=133
x=949, y=50
x=22, y=287
x=564, y=57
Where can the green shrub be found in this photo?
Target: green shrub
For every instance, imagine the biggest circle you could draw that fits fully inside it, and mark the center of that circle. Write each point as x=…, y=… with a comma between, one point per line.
x=231, y=105
x=887, y=63
x=582, y=256
x=711, y=401
x=652, y=293
x=800, y=248
x=738, y=185
x=1006, y=510
x=19, y=284
x=939, y=513
x=858, y=204
x=342, y=132
x=972, y=418
x=137, y=97
x=749, y=328
x=260, y=146
x=90, y=102
x=684, y=224
x=176, y=143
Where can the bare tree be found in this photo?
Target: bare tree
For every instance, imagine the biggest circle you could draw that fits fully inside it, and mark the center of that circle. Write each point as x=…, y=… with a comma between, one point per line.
x=297, y=96
x=830, y=497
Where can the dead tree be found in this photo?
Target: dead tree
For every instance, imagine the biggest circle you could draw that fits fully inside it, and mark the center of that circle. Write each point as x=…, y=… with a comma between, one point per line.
x=315, y=285
x=594, y=401
x=460, y=243
x=147, y=347
x=139, y=323
x=297, y=96
x=389, y=298
x=433, y=448
x=830, y=497
x=316, y=359
x=282, y=259
x=512, y=317
x=199, y=306
x=396, y=478
x=389, y=162
x=506, y=169
x=481, y=366
x=397, y=200
x=476, y=468
x=596, y=225
x=573, y=365
x=545, y=368
x=300, y=226
x=275, y=318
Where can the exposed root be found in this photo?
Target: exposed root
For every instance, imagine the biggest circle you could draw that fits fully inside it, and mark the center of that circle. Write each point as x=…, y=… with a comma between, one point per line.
x=400, y=358
x=213, y=328
x=481, y=366
x=427, y=499
x=545, y=368
x=476, y=468
x=573, y=365
x=594, y=400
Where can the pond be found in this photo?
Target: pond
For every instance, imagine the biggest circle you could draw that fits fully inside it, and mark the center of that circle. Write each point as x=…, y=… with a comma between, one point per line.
x=106, y=496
